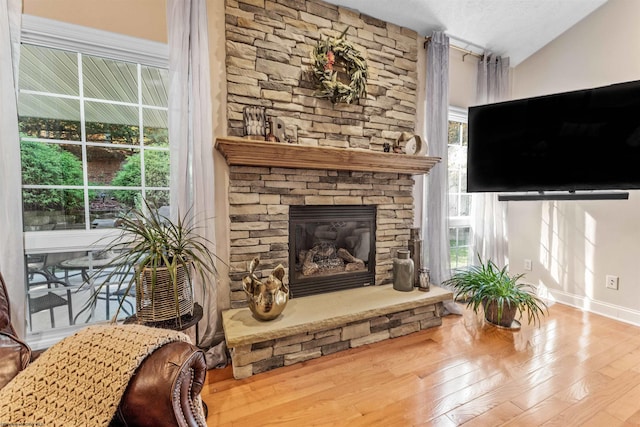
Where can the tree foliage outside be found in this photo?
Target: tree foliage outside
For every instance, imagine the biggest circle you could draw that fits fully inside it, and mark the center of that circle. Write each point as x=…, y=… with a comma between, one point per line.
x=130, y=175
x=50, y=164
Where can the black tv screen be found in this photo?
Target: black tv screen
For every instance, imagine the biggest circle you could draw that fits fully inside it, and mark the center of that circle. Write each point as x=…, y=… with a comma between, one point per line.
x=580, y=140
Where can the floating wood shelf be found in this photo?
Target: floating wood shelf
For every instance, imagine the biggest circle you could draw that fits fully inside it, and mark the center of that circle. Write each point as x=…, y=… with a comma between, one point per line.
x=247, y=152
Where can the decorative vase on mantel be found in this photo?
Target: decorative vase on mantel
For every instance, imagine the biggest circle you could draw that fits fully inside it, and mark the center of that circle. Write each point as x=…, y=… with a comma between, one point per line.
x=403, y=271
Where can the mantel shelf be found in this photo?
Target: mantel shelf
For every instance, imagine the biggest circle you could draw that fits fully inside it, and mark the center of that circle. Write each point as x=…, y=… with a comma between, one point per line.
x=247, y=152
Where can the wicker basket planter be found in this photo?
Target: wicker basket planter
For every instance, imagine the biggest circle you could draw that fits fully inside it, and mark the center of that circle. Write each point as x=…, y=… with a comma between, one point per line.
x=156, y=302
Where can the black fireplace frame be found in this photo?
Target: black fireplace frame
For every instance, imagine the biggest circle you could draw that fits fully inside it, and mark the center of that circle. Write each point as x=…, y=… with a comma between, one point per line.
x=300, y=287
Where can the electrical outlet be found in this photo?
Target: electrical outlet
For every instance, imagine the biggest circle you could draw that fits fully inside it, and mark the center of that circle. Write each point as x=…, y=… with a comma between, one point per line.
x=527, y=265
x=612, y=282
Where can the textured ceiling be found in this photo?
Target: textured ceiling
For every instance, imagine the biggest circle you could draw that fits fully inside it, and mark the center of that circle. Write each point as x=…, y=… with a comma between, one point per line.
x=513, y=28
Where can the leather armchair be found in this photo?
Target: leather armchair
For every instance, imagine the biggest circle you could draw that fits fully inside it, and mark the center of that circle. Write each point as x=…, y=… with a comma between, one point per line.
x=162, y=392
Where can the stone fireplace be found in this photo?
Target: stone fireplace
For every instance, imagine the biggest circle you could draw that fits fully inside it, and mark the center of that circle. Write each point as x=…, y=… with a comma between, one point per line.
x=336, y=162
x=287, y=201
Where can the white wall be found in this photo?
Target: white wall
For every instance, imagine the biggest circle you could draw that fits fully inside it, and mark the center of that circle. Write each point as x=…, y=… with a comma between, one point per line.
x=573, y=245
x=462, y=79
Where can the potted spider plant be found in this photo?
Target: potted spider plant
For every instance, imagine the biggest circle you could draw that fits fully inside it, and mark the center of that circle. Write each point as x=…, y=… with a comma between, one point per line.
x=155, y=259
x=501, y=295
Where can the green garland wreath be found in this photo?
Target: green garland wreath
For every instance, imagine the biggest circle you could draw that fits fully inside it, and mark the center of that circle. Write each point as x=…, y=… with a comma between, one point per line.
x=326, y=54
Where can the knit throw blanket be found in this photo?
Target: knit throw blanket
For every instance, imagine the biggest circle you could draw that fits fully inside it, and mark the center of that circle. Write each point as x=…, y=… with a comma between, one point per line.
x=81, y=380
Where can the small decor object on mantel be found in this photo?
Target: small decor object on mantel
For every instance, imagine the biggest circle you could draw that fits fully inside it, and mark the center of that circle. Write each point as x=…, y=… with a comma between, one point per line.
x=270, y=136
x=335, y=59
x=414, y=145
x=267, y=298
x=254, y=120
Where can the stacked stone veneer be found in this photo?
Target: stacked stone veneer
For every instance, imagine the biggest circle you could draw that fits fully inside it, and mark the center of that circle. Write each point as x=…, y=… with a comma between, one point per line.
x=268, y=61
x=259, y=200
x=263, y=356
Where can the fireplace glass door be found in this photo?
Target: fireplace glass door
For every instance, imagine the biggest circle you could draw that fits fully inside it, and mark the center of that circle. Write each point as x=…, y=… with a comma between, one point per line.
x=331, y=248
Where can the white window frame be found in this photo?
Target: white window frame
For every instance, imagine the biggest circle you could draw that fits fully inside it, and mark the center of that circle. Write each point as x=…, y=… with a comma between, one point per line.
x=89, y=41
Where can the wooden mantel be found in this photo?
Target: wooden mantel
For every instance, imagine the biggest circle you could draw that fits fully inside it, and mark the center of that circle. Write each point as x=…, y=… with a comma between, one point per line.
x=246, y=152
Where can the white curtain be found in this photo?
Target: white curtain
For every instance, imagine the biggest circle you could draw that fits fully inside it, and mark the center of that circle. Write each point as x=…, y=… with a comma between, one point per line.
x=12, y=246
x=436, y=239
x=191, y=136
x=490, y=215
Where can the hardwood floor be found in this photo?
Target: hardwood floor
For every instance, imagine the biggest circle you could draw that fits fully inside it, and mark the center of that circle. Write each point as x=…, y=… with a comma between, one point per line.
x=576, y=369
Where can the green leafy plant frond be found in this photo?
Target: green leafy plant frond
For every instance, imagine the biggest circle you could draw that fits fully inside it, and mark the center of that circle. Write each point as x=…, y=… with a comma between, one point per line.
x=486, y=282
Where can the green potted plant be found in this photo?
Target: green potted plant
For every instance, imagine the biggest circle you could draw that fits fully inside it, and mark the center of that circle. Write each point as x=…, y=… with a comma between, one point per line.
x=155, y=259
x=500, y=295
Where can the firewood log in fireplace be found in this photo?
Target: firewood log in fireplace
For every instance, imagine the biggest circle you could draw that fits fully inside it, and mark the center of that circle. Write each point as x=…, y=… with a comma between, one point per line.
x=308, y=266
x=353, y=263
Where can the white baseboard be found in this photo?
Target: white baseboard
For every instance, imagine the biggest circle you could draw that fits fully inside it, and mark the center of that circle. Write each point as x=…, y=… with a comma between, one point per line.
x=606, y=309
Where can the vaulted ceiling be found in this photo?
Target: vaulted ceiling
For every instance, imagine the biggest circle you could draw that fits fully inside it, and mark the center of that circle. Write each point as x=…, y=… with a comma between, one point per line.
x=513, y=28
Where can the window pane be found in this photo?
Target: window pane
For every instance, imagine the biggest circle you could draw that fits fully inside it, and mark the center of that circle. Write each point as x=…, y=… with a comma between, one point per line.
x=112, y=133
x=453, y=205
x=465, y=134
x=128, y=174
x=50, y=164
x=48, y=70
x=52, y=209
x=464, y=236
x=465, y=205
x=34, y=127
x=454, y=178
x=112, y=80
x=49, y=117
x=158, y=199
x=155, y=82
x=454, y=132
x=457, y=157
x=58, y=286
x=108, y=205
x=155, y=127
x=104, y=165
x=156, y=168
x=453, y=237
x=110, y=123
x=463, y=180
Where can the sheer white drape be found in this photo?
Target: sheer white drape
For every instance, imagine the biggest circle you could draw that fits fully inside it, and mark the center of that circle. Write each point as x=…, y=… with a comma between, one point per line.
x=12, y=246
x=490, y=215
x=191, y=135
x=436, y=218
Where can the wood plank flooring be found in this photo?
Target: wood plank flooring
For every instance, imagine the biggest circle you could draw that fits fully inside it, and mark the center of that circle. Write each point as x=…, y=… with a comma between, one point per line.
x=576, y=369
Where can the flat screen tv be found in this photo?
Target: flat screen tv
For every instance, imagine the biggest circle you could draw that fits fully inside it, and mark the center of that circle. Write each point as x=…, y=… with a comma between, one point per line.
x=580, y=140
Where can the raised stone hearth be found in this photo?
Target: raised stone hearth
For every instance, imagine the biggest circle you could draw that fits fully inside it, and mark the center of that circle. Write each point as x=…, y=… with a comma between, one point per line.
x=323, y=324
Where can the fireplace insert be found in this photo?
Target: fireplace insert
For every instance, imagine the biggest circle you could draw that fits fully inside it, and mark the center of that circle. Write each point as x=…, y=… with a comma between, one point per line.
x=331, y=248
